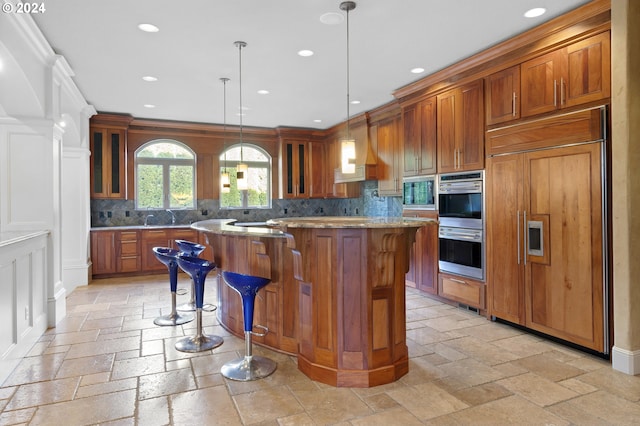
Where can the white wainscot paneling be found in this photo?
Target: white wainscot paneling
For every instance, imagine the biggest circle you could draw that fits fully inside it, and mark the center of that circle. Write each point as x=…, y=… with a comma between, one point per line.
x=23, y=305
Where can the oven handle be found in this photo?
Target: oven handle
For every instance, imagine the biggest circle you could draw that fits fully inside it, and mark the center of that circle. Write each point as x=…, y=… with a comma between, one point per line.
x=459, y=236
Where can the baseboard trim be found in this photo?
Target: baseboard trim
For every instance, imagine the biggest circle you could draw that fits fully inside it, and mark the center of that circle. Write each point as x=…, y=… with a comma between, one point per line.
x=625, y=361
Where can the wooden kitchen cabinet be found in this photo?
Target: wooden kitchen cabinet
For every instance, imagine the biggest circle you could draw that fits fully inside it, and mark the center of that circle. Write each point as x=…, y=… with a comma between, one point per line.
x=107, y=163
x=574, y=75
x=103, y=252
x=419, y=141
x=128, y=256
x=460, y=128
x=303, y=169
x=423, y=258
x=462, y=290
x=389, y=157
x=161, y=237
x=545, y=241
x=502, y=96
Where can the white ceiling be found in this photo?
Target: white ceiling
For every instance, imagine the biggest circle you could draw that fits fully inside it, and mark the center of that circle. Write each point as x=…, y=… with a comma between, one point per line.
x=195, y=48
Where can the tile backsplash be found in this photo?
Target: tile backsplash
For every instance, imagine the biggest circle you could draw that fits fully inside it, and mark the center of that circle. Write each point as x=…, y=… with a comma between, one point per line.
x=123, y=212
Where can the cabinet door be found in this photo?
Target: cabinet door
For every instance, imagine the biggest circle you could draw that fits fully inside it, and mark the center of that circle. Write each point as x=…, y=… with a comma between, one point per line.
x=388, y=167
x=103, y=252
x=505, y=213
x=503, y=96
x=425, y=256
x=107, y=163
x=295, y=168
x=411, y=130
x=428, y=137
x=588, y=70
x=448, y=129
x=150, y=238
x=471, y=141
x=540, y=83
x=317, y=170
x=563, y=250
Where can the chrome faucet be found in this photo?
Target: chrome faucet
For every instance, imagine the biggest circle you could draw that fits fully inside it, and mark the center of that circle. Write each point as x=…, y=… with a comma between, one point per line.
x=146, y=219
x=173, y=217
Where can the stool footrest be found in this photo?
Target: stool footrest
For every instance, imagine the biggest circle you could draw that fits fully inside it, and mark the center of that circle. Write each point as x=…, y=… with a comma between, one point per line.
x=208, y=307
x=181, y=291
x=262, y=327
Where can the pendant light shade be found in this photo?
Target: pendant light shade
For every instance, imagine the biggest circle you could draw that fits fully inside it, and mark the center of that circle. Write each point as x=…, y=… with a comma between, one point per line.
x=348, y=146
x=241, y=169
x=225, y=180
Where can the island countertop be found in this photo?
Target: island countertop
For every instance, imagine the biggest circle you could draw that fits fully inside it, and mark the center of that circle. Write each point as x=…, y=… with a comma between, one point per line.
x=226, y=227
x=350, y=222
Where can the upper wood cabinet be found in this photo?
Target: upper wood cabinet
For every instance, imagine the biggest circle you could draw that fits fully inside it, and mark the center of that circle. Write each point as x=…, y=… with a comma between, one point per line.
x=303, y=170
x=419, y=131
x=389, y=157
x=460, y=128
x=576, y=74
x=108, y=163
x=502, y=96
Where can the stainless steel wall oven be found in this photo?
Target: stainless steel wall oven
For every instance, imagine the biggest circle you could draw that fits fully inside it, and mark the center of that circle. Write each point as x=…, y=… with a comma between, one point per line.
x=461, y=232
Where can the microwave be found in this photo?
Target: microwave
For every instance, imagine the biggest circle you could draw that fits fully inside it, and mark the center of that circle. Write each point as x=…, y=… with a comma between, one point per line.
x=419, y=192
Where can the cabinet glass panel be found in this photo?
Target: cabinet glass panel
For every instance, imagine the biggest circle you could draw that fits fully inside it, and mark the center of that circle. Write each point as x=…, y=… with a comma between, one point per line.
x=115, y=163
x=301, y=167
x=97, y=162
x=289, y=169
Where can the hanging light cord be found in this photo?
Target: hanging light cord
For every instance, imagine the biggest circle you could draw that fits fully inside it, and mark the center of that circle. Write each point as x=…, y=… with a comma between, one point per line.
x=240, y=45
x=224, y=116
x=348, y=101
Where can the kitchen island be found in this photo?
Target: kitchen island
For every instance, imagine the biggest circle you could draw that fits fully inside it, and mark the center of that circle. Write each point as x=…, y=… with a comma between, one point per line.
x=336, y=298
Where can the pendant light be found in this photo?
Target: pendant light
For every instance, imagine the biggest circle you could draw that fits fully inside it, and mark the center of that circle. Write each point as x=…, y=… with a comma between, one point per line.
x=241, y=168
x=225, y=181
x=348, y=146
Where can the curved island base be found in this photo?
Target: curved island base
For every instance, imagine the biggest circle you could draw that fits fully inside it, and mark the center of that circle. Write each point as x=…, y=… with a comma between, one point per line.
x=337, y=296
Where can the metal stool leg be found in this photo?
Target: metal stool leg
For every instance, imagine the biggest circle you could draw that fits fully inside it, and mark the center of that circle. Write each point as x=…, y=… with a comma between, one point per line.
x=249, y=367
x=198, y=270
x=167, y=257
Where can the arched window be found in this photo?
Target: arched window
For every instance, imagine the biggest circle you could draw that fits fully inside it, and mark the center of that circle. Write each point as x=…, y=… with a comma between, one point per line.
x=165, y=172
x=259, y=177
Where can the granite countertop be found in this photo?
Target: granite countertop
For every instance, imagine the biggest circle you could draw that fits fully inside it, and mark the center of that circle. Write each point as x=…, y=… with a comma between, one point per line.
x=351, y=222
x=12, y=237
x=226, y=227
x=130, y=227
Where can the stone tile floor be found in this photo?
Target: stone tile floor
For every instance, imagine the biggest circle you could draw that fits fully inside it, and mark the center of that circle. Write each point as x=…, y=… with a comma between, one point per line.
x=107, y=363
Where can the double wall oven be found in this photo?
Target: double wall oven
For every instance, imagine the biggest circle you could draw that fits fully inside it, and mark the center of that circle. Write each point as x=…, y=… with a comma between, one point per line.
x=461, y=231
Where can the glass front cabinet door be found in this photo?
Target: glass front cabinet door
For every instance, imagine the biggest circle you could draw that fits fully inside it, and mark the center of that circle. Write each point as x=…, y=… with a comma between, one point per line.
x=107, y=163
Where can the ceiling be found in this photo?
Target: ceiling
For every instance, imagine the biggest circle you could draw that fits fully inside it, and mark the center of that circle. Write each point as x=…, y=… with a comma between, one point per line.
x=195, y=48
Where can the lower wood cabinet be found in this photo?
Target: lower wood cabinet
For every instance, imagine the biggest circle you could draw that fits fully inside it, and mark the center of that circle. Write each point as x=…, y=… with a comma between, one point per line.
x=423, y=258
x=463, y=290
x=130, y=252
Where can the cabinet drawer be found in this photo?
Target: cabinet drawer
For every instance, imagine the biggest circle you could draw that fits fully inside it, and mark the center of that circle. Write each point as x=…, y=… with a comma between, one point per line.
x=184, y=234
x=462, y=290
x=128, y=248
x=128, y=236
x=129, y=264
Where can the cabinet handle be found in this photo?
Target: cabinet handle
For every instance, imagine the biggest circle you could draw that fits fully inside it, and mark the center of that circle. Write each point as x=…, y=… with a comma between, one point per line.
x=524, y=227
x=518, y=235
x=458, y=281
x=513, y=104
x=555, y=94
x=416, y=165
x=562, y=91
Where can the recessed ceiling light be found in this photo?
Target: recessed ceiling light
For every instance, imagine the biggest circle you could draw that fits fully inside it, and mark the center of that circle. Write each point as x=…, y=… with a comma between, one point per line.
x=331, y=18
x=317, y=120
x=355, y=102
x=417, y=70
x=149, y=106
x=148, y=28
x=535, y=12
x=263, y=92
x=149, y=78
x=305, y=52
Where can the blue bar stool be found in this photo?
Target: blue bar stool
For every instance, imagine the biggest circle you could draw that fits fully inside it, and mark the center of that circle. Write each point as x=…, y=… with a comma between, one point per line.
x=192, y=249
x=248, y=367
x=198, y=269
x=168, y=257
